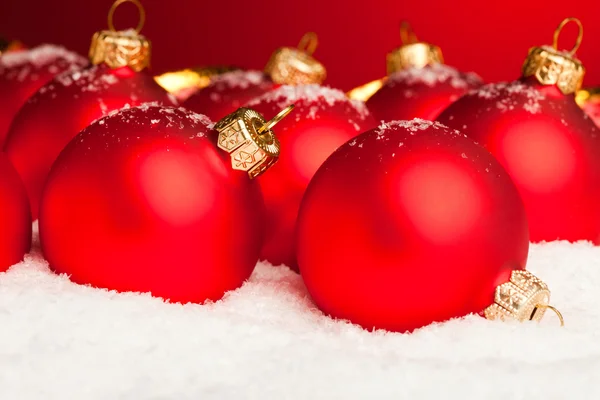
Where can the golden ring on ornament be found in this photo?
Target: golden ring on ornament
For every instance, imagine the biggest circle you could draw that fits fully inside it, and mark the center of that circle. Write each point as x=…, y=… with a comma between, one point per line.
x=309, y=42
x=558, y=313
x=407, y=35
x=275, y=120
x=579, y=35
x=140, y=8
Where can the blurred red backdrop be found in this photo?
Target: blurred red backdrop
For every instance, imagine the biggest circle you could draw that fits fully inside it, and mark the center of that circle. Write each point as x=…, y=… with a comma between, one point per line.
x=488, y=37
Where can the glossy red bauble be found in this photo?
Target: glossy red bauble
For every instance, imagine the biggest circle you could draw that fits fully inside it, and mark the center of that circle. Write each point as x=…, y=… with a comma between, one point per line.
x=550, y=148
x=228, y=92
x=22, y=73
x=323, y=120
x=62, y=108
x=409, y=224
x=15, y=217
x=143, y=200
x=420, y=92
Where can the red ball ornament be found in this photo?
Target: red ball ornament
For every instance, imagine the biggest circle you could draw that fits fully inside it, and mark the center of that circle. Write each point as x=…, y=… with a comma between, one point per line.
x=143, y=200
x=417, y=92
x=547, y=144
x=409, y=224
x=324, y=119
x=15, y=217
x=228, y=92
x=23, y=72
x=287, y=66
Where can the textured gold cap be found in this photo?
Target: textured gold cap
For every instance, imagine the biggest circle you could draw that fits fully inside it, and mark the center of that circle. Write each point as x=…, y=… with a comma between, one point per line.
x=121, y=48
x=412, y=53
x=525, y=297
x=553, y=67
x=248, y=138
x=297, y=66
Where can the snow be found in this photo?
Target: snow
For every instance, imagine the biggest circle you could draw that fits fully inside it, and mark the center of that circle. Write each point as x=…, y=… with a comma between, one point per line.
x=509, y=95
x=239, y=79
x=317, y=96
x=268, y=341
x=27, y=64
x=432, y=75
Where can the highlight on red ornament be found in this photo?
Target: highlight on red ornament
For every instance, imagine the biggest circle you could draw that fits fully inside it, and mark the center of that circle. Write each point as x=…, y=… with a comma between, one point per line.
x=418, y=85
x=413, y=223
x=15, y=229
x=287, y=66
x=154, y=199
x=324, y=119
x=548, y=145
x=72, y=100
x=22, y=73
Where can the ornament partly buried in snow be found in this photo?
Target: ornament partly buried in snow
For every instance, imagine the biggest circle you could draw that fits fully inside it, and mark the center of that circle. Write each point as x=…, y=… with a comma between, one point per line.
x=548, y=145
x=419, y=84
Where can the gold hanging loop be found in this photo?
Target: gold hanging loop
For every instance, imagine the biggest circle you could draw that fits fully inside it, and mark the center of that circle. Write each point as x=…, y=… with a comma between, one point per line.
x=558, y=313
x=275, y=120
x=140, y=8
x=579, y=35
x=309, y=42
x=407, y=35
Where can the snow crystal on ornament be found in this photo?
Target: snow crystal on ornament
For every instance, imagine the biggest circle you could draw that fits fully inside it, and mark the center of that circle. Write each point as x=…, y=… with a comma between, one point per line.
x=314, y=95
x=434, y=74
x=88, y=80
x=414, y=125
x=506, y=91
x=239, y=79
x=22, y=65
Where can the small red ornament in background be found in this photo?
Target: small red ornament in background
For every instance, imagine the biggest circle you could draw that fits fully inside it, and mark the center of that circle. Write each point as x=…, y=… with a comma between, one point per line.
x=143, y=200
x=22, y=73
x=72, y=100
x=589, y=101
x=418, y=85
x=15, y=217
x=409, y=224
x=547, y=144
x=287, y=66
x=324, y=119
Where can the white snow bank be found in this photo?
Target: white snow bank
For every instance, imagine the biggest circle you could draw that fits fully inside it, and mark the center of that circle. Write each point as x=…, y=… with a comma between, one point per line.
x=266, y=340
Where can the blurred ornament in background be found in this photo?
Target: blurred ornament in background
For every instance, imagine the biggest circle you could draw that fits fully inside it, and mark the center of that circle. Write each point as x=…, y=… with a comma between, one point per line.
x=7, y=46
x=589, y=100
x=72, y=100
x=287, y=66
x=22, y=73
x=153, y=199
x=183, y=83
x=324, y=119
x=418, y=85
x=15, y=216
x=413, y=223
x=546, y=142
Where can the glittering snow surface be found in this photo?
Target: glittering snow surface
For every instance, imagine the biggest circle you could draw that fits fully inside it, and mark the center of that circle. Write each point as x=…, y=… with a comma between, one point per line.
x=266, y=340
x=22, y=65
x=434, y=74
x=505, y=93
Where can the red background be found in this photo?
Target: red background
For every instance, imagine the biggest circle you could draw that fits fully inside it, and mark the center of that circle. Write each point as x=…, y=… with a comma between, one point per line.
x=489, y=37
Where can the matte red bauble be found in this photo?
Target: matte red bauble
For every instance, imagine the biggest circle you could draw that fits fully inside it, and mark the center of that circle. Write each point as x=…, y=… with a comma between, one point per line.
x=550, y=148
x=72, y=100
x=15, y=217
x=143, y=200
x=323, y=120
x=22, y=73
x=287, y=66
x=409, y=224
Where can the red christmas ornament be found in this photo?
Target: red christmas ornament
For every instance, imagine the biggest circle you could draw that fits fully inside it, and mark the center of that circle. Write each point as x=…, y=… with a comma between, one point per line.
x=547, y=144
x=324, y=120
x=22, y=73
x=287, y=66
x=418, y=85
x=409, y=224
x=143, y=200
x=15, y=217
x=72, y=100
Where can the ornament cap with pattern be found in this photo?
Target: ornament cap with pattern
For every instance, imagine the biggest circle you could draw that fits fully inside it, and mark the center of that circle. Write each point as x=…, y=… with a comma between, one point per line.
x=412, y=53
x=127, y=48
x=297, y=66
x=551, y=66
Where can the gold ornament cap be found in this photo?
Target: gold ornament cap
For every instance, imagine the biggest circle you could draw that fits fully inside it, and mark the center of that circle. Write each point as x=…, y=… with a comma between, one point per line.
x=121, y=48
x=297, y=66
x=196, y=78
x=525, y=297
x=553, y=67
x=412, y=53
x=7, y=45
x=248, y=138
